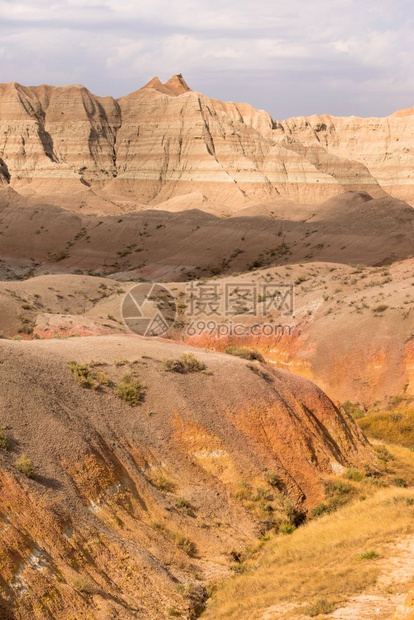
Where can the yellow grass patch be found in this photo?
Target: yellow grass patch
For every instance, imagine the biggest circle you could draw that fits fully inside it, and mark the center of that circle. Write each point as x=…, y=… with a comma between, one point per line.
x=328, y=560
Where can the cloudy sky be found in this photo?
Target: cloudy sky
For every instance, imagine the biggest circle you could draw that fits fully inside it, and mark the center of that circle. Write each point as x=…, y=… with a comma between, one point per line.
x=289, y=57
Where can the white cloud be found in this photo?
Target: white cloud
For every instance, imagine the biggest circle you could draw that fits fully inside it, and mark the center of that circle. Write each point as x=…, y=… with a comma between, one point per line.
x=290, y=57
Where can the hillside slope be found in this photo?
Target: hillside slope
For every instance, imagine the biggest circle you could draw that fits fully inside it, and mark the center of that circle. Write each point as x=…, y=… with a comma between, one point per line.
x=133, y=508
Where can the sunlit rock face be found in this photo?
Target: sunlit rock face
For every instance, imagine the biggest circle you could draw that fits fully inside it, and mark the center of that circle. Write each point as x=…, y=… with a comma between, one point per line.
x=166, y=140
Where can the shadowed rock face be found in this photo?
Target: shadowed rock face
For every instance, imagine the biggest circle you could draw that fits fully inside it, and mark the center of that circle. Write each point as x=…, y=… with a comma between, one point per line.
x=166, y=140
x=130, y=502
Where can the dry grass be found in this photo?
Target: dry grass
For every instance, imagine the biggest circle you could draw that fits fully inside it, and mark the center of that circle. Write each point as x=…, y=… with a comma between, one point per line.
x=318, y=563
x=392, y=427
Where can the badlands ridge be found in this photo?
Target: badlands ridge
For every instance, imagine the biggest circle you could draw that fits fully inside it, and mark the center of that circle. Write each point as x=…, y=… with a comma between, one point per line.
x=165, y=141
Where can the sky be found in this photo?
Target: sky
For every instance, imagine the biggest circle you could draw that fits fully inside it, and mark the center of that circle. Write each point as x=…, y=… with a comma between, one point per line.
x=289, y=57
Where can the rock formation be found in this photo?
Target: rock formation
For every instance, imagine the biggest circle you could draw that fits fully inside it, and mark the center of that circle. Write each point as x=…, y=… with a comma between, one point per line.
x=166, y=140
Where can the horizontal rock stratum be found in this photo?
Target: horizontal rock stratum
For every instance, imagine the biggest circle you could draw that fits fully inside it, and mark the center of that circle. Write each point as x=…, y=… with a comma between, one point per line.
x=166, y=140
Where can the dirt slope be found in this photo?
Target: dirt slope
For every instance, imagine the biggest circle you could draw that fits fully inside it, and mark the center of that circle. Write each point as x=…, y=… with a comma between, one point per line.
x=175, y=246
x=130, y=502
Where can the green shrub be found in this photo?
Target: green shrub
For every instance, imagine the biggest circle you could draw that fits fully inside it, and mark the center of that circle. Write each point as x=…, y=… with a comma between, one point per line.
x=83, y=375
x=185, y=506
x=274, y=480
x=383, y=453
x=245, y=353
x=4, y=440
x=25, y=466
x=286, y=529
x=367, y=555
x=354, y=474
x=130, y=390
x=354, y=410
x=185, y=364
x=319, y=510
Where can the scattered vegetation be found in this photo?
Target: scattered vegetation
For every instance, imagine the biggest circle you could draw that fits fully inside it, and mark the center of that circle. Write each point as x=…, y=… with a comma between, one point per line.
x=319, y=607
x=245, y=353
x=184, y=506
x=367, y=555
x=59, y=256
x=161, y=482
x=83, y=584
x=353, y=409
x=26, y=325
x=25, y=466
x=337, y=493
x=187, y=363
x=395, y=427
x=183, y=543
x=330, y=545
x=4, y=440
x=130, y=390
x=86, y=376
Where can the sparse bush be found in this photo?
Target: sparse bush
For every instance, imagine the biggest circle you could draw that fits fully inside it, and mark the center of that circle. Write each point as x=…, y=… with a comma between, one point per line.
x=26, y=325
x=162, y=483
x=319, y=510
x=25, y=466
x=321, y=606
x=83, y=584
x=274, y=480
x=187, y=545
x=185, y=506
x=185, y=364
x=245, y=353
x=4, y=440
x=83, y=375
x=380, y=309
x=353, y=409
x=384, y=454
x=56, y=258
x=354, y=474
x=130, y=390
x=367, y=555
x=286, y=529
x=400, y=482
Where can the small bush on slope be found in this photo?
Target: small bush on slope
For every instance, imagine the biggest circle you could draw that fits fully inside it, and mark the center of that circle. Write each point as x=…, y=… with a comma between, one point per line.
x=130, y=390
x=84, y=375
x=25, y=466
x=245, y=353
x=186, y=363
x=4, y=440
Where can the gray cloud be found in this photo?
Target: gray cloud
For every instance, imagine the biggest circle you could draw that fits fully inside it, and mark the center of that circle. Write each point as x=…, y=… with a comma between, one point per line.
x=290, y=58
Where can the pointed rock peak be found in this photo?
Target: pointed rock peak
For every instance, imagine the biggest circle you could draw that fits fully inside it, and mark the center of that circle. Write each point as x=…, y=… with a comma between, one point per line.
x=156, y=84
x=177, y=85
